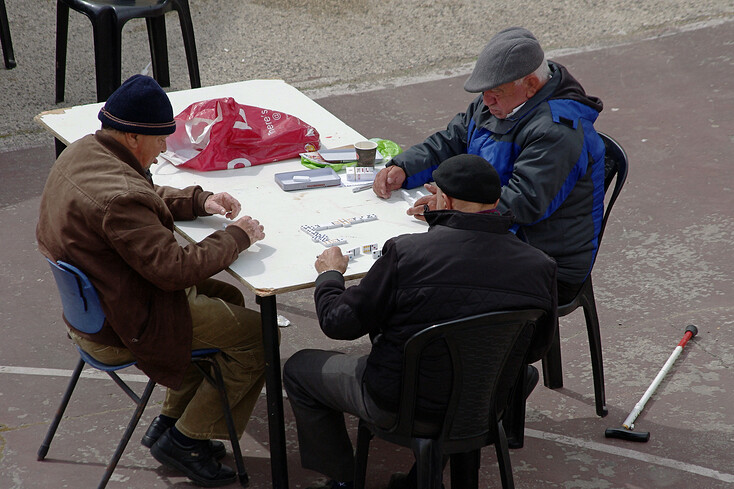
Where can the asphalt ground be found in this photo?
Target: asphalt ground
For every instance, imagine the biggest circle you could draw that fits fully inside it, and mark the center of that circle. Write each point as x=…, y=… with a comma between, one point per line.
x=664, y=71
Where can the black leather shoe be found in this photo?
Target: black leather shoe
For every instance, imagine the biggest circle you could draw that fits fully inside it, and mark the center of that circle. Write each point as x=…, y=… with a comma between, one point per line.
x=198, y=465
x=158, y=427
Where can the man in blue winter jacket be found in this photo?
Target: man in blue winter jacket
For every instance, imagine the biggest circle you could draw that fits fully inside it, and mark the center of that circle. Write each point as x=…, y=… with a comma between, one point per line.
x=534, y=123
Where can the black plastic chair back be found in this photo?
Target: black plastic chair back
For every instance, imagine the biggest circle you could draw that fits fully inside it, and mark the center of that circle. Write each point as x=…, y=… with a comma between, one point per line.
x=484, y=351
x=616, y=166
x=487, y=354
x=79, y=299
x=615, y=169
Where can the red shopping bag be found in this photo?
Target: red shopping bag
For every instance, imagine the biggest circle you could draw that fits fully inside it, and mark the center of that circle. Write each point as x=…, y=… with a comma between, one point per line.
x=220, y=134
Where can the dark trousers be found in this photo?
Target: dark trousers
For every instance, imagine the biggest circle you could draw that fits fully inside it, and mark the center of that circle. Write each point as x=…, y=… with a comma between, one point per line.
x=322, y=386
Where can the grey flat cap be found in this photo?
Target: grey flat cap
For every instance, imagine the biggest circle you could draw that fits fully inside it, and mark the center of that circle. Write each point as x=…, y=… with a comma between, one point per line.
x=510, y=55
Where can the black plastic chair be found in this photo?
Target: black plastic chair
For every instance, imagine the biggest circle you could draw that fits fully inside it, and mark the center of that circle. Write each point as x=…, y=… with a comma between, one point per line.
x=108, y=17
x=487, y=354
x=5, y=40
x=615, y=169
x=83, y=310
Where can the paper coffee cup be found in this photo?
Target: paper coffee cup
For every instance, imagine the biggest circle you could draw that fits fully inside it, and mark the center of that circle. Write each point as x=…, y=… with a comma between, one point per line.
x=366, y=152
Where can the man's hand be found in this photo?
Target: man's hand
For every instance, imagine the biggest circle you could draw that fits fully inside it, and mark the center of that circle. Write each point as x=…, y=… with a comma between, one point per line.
x=388, y=179
x=419, y=207
x=222, y=204
x=331, y=259
x=253, y=228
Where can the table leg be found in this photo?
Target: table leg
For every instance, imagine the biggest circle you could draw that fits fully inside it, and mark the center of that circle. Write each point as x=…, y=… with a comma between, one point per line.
x=59, y=146
x=274, y=390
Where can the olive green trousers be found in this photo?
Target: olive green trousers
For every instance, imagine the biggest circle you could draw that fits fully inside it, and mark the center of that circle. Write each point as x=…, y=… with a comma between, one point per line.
x=220, y=320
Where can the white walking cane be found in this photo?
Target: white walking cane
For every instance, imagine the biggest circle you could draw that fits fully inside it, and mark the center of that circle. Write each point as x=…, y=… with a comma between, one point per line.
x=626, y=432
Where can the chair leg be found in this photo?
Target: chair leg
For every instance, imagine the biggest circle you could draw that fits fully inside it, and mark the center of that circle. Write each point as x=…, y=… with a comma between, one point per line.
x=597, y=365
x=552, y=369
x=159, y=49
x=107, y=53
x=218, y=382
x=514, y=415
x=62, y=33
x=364, y=435
x=187, y=30
x=128, y=433
x=43, y=450
x=5, y=38
x=429, y=463
x=465, y=469
x=503, y=458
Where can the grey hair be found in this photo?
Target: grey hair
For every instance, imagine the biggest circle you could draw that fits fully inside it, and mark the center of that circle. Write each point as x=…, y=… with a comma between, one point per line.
x=542, y=72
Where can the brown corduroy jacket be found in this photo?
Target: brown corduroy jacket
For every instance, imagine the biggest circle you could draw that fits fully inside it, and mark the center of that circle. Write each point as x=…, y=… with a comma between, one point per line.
x=100, y=213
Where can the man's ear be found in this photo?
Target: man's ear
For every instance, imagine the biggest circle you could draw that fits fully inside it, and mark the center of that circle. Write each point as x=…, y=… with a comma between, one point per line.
x=532, y=85
x=131, y=139
x=449, y=201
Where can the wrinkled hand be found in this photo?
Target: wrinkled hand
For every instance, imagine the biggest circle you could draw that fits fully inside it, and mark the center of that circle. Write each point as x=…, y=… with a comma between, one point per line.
x=253, y=228
x=388, y=179
x=331, y=259
x=419, y=207
x=222, y=204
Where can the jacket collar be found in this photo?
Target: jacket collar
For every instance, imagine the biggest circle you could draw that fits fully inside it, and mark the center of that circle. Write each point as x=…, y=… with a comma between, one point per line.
x=503, y=126
x=491, y=223
x=562, y=85
x=122, y=153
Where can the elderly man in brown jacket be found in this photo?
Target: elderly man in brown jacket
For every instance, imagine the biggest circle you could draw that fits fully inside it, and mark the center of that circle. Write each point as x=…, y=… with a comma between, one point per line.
x=101, y=212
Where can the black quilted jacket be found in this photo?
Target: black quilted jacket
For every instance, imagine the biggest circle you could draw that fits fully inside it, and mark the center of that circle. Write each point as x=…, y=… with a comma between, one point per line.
x=466, y=264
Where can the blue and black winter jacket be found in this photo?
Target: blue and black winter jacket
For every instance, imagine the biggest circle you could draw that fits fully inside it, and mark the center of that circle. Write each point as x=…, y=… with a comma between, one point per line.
x=551, y=164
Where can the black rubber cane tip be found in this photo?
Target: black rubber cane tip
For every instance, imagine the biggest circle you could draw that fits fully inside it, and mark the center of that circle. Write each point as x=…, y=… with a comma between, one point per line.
x=42, y=452
x=692, y=329
x=623, y=434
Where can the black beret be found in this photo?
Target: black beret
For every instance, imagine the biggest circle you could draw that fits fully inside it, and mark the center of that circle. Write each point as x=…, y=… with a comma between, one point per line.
x=468, y=177
x=139, y=106
x=510, y=55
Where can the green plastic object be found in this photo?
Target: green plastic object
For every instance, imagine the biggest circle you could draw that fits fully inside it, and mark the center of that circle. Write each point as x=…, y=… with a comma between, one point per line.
x=388, y=149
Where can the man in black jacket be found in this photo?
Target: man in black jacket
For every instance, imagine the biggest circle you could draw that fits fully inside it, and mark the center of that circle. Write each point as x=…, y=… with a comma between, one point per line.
x=467, y=263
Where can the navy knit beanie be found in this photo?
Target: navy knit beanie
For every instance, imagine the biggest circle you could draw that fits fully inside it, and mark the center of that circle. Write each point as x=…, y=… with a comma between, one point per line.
x=468, y=177
x=139, y=106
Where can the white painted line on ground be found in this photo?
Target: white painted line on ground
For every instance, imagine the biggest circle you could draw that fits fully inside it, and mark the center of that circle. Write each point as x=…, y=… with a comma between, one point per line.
x=88, y=373
x=57, y=372
x=635, y=455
